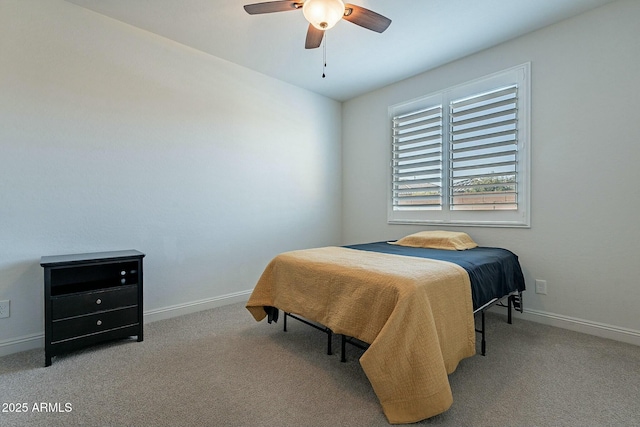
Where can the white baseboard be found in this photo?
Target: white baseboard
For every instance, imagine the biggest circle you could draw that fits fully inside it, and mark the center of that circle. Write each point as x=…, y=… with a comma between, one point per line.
x=195, y=306
x=33, y=341
x=16, y=345
x=580, y=325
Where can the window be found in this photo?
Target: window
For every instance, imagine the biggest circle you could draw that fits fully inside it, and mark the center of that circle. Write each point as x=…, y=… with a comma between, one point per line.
x=460, y=156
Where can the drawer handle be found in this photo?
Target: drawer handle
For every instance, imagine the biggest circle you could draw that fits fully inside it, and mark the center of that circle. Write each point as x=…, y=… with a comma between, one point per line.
x=122, y=273
x=123, y=281
x=99, y=322
x=98, y=301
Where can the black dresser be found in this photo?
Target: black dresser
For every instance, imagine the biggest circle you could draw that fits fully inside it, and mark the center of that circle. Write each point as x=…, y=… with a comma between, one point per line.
x=91, y=298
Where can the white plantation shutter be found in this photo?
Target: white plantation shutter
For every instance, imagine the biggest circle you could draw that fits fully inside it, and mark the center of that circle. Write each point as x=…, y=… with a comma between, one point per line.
x=417, y=160
x=461, y=156
x=484, y=151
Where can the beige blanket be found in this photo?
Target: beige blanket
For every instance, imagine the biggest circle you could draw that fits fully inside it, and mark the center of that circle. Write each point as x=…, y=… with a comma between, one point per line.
x=416, y=313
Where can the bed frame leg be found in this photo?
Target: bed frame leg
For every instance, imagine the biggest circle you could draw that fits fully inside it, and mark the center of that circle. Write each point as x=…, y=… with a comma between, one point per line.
x=322, y=328
x=343, y=348
x=509, y=309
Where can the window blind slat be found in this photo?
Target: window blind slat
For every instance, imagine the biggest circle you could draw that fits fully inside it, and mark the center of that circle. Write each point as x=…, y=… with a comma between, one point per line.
x=414, y=157
x=494, y=125
x=487, y=107
x=416, y=200
x=432, y=149
x=401, y=143
x=500, y=175
x=403, y=118
x=421, y=181
x=436, y=120
x=420, y=174
x=504, y=113
x=506, y=143
x=419, y=132
x=487, y=156
x=509, y=133
x=511, y=90
x=482, y=166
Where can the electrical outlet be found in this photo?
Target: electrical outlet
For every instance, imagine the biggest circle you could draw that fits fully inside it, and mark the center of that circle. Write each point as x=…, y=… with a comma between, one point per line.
x=541, y=287
x=4, y=309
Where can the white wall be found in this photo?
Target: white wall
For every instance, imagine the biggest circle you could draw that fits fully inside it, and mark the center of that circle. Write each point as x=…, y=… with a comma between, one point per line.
x=584, y=239
x=113, y=138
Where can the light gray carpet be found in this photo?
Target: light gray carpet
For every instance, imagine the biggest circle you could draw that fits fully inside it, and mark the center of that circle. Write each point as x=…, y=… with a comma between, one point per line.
x=221, y=368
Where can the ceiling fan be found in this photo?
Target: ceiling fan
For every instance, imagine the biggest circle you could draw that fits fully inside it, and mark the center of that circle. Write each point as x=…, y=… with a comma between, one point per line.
x=322, y=15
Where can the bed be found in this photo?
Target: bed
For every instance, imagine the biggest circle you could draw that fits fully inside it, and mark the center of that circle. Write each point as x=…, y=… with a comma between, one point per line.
x=413, y=306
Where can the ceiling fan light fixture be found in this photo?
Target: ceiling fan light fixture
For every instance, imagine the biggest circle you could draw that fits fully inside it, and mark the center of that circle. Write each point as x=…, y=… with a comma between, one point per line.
x=323, y=14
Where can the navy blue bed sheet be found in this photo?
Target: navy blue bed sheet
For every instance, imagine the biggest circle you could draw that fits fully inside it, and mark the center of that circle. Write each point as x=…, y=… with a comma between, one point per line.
x=493, y=272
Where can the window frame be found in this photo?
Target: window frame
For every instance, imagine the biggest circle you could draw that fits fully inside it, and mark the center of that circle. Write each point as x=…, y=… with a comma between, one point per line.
x=520, y=75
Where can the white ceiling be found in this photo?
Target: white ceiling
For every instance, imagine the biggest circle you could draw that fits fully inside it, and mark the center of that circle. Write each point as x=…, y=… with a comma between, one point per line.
x=424, y=34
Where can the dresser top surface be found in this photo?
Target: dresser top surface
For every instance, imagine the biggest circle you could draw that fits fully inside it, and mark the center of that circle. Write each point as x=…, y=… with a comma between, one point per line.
x=47, y=261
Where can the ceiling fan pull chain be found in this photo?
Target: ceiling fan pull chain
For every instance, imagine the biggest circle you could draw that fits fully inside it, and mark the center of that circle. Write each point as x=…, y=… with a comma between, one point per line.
x=324, y=55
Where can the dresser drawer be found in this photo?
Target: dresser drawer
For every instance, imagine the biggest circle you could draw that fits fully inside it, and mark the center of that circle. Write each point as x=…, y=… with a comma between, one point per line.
x=91, y=302
x=93, y=323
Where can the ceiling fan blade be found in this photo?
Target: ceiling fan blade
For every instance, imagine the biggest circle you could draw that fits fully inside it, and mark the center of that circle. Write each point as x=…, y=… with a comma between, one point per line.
x=271, y=6
x=314, y=37
x=366, y=18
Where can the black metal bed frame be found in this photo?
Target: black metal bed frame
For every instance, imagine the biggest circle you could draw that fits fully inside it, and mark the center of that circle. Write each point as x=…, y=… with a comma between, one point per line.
x=319, y=327
x=514, y=301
